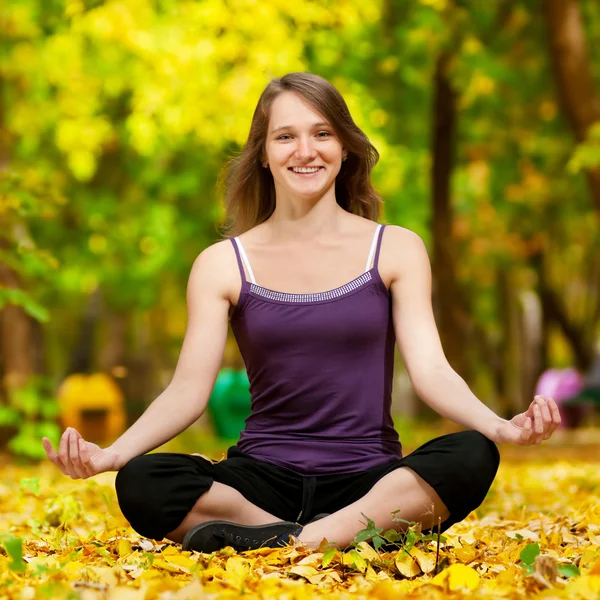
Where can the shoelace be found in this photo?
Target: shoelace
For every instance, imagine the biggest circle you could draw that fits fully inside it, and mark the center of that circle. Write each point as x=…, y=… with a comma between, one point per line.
x=237, y=541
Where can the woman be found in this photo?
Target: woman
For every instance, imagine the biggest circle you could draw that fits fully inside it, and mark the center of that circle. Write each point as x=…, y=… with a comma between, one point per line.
x=317, y=293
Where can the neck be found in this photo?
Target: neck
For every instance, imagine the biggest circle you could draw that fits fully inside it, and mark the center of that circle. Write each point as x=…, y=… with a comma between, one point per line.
x=306, y=219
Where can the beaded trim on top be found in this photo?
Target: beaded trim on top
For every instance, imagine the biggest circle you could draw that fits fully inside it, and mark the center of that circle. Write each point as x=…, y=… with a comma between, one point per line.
x=316, y=297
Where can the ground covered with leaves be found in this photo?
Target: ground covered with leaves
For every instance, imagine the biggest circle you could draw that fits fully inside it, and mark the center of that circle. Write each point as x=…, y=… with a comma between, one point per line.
x=536, y=535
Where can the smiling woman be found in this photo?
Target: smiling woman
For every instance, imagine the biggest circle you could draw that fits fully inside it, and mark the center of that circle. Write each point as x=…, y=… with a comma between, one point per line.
x=298, y=118
x=317, y=294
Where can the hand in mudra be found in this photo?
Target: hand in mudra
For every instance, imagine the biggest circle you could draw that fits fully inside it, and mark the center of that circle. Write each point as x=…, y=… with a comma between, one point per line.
x=533, y=426
x=80, y=459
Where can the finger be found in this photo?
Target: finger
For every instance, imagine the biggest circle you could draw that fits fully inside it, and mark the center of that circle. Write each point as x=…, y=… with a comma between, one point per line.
x=74, y=453
x=546, y=416
x=86, y=464
x=538, y=421
x=84, y=456
x=527, y=430
x=51, y=453
x=63, y=453
x=555, y=414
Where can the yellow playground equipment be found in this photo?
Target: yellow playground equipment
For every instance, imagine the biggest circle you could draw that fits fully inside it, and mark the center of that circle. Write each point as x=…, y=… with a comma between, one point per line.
x=93, y=405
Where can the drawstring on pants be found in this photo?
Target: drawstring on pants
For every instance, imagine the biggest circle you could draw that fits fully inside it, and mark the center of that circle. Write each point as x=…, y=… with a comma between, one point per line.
x=309, y=485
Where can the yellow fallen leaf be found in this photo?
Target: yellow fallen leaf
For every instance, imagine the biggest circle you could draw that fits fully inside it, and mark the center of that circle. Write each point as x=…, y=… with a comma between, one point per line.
x=193, y=591
x=125, y=593
x=354, y=559
x=457, y=577
x=588, y=586
x=367, y=552
x=384, y=590
x=524, y=533
x=124, y=547
x=306, y=571
x=467, y=538
x=237, y=570
x=406, y=565
x=426, y=561
x=595, y=568
x=181, y=560
x=159, y=563
x=74, y=567
x=465, y=554
x=212, y=572
x=370, y=575
x=312, y=560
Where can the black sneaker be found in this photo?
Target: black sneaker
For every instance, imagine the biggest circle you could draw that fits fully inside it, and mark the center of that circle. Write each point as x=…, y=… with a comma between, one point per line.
x=214, y=535
x=318, y=517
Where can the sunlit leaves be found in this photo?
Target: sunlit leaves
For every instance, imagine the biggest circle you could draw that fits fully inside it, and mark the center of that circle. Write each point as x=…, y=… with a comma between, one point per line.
x=67, y=536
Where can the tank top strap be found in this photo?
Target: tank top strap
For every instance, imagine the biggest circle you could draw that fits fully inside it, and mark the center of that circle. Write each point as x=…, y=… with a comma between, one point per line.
x=242, y=260
x=378, y=249
x=374, y=251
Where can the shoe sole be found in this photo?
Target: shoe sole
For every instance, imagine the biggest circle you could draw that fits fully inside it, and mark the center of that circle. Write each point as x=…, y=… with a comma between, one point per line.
x=205, y=537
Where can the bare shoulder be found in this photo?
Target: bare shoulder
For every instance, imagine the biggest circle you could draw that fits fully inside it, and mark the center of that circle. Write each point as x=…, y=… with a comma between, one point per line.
x=216, y=269
x=402, y=251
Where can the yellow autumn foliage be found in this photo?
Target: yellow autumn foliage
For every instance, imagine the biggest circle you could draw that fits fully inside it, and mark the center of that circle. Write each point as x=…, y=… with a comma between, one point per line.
x=67, y=539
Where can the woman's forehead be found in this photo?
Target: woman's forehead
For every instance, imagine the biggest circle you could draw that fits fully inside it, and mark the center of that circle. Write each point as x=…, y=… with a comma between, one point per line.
x=289, y=109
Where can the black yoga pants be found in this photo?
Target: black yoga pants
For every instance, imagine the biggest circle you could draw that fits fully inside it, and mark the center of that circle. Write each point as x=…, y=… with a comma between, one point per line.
x=157, y=491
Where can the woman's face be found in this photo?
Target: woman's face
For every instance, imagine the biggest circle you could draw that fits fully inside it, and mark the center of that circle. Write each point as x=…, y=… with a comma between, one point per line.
x=299, y=137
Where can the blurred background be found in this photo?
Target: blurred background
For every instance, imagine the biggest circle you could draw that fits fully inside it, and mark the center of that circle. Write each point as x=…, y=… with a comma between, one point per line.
x=116, y=118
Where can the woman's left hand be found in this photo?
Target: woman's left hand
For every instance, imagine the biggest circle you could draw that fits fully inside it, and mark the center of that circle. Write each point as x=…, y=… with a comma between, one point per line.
x=533, y=426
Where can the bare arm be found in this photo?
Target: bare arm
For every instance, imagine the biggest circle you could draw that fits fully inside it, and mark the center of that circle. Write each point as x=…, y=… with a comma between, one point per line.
x=186, y=397
x=432, y=377
x=209, y=291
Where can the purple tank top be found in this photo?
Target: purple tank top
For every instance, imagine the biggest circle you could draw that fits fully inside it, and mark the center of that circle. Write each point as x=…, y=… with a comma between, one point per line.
x=320, y=368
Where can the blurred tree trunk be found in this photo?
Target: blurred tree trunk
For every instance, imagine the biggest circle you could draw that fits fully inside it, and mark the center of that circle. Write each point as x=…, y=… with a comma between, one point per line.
x=82, y=355
x=571, y=65
x=511, y=346
x=451, y=312
x=16, y=341
x=113, y=352
x=555, y=311
x=15, y=324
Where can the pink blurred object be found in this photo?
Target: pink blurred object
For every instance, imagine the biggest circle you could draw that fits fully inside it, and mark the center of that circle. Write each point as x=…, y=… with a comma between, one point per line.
x=562, y=385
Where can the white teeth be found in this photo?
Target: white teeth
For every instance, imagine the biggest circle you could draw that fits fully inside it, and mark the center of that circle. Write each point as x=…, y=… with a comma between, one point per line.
x=304, y=170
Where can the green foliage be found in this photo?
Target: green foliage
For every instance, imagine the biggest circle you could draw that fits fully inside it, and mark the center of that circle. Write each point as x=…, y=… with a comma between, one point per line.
x=328, y=556
x=119, y=117
x=529, y=553
x=32, y=411
x=31, y=485
x=21, y=298
x=14, y=549
x=393, y=540
x=587, y=155
x=532, y=551
x=568, y=570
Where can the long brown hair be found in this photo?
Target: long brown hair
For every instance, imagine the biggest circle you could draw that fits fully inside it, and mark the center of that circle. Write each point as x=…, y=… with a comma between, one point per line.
x=249, y=188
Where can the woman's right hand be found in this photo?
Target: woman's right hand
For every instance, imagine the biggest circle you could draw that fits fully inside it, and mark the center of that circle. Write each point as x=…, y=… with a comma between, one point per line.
x=80, y=459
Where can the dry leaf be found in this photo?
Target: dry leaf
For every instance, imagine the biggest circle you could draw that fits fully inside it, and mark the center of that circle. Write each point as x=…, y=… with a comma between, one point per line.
x=545, y=570
x=426, y=561
x=457, y=577
x=406, y=565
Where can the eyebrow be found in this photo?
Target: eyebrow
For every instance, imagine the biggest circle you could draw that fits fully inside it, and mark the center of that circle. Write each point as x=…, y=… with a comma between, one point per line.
x=314, y=126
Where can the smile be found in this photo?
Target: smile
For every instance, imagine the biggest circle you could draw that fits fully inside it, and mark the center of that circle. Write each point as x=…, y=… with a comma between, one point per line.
x=305, y=171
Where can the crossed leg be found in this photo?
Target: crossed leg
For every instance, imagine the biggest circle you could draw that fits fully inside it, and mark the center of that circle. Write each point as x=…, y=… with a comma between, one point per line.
x=221, y=503
x=401, y=490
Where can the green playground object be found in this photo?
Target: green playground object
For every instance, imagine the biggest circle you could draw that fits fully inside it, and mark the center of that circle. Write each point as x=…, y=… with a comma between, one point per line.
x=229, y=403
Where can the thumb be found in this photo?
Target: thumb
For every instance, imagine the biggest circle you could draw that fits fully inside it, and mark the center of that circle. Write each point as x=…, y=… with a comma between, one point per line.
x=527, y=429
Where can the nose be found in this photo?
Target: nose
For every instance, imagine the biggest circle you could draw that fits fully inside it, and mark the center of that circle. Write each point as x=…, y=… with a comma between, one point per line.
x=305, y=150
